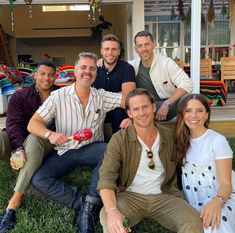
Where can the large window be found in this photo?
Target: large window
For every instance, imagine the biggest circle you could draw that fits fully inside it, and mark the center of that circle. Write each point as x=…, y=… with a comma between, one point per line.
x=173, y=35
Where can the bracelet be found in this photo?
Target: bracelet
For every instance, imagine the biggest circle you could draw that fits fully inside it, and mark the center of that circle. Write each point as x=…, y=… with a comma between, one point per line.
x=220, y=199
x=167, y=103
x=110, y=210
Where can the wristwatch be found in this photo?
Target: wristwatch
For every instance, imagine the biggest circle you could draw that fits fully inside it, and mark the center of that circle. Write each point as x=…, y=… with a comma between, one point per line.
x=47, y=134
x=167, y=103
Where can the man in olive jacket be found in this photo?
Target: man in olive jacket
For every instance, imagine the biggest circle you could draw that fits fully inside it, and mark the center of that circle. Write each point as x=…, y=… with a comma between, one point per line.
x=137, y=176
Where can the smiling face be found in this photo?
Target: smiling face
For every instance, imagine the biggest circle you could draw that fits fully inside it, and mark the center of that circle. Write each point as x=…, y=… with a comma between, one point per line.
x=44, y=77
x=85, y=72
x=141, y=111
x=144, y=46
x=110, y=51
x=195, y=116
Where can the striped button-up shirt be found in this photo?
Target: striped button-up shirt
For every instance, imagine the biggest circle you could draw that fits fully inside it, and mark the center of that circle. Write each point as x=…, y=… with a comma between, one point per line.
x=66, y=109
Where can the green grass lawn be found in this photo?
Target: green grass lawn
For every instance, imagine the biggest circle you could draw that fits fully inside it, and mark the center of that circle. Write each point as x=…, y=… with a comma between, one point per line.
x=39, y=215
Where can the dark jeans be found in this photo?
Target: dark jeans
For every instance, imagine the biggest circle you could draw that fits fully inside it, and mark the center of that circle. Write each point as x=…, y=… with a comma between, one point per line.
x=46, y=178
x=115, y=117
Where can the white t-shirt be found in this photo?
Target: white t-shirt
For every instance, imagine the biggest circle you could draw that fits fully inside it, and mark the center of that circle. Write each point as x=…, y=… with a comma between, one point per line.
x=208, y=148
x=148, y=181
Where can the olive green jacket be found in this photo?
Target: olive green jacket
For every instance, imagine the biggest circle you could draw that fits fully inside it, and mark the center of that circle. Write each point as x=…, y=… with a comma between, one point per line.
x=122, y=159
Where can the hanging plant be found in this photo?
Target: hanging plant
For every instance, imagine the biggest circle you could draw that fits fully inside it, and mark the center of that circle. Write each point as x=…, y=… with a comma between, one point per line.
x=181, y=9
x=224, y=10
x=211, y=13
x=96, y=32
x=173, y=14
x=203, y=18
x=187, y=18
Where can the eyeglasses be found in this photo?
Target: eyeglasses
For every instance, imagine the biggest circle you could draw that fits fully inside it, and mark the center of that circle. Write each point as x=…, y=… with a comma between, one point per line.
x=151, y=164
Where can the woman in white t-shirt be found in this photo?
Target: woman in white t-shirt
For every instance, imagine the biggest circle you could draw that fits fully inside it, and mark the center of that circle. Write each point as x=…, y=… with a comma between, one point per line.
x=206, y=159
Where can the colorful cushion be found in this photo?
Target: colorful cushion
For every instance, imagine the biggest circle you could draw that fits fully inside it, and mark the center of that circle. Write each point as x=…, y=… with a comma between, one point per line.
x=214, y=91
x=12, y=73
x=6, y=87
x=66, y=72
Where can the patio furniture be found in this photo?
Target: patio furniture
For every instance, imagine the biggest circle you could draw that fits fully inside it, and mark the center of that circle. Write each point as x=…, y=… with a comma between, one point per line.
x=214, y=90
x=205, y=68
x=228, y=71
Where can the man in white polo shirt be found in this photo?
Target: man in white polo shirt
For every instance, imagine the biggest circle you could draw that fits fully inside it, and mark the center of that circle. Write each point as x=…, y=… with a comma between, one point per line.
x=137, y=176
x=73, y=108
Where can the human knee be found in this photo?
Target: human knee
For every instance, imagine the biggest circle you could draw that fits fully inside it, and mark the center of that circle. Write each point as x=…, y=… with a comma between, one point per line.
x=5, y=147
x=39, y=181
x=103, y=220
x=34, y=143
x=192, y=223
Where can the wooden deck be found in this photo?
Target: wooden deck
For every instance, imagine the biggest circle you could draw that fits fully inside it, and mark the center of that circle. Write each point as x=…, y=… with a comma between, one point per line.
x=222, y=118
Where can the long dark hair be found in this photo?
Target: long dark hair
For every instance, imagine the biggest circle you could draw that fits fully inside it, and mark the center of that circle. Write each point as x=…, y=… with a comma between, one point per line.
x=182, y=133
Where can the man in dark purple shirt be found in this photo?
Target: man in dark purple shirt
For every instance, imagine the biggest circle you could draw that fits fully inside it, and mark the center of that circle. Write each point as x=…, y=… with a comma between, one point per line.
x=21, y=107
x=115, y=76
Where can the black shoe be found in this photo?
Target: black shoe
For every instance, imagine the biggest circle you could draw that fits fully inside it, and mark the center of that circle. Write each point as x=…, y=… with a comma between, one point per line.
x=8, y=221
x=88, y=216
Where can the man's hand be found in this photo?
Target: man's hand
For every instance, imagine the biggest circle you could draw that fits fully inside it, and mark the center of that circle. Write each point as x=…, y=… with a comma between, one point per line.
x=58, y=138
x=99, y=63
x=18, y=159
x=162, y=112
x=125, y=123
x=115, y=222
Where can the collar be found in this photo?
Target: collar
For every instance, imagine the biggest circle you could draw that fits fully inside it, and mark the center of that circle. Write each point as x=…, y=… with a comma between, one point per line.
x=115, y=67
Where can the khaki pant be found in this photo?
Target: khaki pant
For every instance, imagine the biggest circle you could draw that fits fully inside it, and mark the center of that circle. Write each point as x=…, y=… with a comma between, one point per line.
x=5, y=147
x=172, y=212
x=35, y=149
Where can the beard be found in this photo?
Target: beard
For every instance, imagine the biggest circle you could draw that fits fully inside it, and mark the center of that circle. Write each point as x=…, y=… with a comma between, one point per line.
x=112, y=62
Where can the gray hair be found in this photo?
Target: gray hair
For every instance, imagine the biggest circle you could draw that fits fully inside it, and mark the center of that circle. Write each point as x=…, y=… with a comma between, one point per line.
x=90, y=55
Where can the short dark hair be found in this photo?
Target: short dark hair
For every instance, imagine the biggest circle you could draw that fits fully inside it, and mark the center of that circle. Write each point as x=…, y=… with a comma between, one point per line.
x=111, y=37
x=144, y=33
x=46, y=63
x=90, y=55
x=135, y=92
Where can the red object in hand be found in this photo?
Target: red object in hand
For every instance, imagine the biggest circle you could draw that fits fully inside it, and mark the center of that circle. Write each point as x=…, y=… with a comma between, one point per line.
x=82, y=135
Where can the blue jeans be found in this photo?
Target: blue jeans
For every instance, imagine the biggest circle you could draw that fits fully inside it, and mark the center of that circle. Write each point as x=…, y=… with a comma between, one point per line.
x=47, y=178
x=115, y=117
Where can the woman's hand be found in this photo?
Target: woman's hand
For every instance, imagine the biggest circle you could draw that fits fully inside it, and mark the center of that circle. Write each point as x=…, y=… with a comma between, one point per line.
x=125, y=123
x=211, y=214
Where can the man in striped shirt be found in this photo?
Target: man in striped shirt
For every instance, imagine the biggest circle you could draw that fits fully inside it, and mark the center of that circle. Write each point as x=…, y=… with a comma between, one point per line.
x=73, y=108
